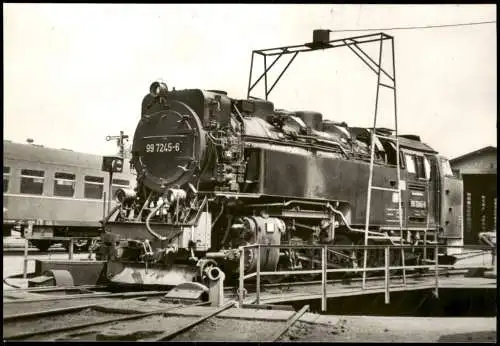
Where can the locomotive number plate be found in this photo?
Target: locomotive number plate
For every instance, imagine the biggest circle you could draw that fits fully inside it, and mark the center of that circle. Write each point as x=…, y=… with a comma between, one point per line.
x=164, y=147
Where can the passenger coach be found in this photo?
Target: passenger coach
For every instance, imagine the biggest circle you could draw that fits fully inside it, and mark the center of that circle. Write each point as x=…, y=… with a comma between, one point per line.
x=58, y=192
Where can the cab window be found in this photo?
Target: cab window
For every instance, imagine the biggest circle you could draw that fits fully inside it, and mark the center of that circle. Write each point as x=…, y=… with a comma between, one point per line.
x=418, y=165
x=427, y=166
x=32, y=181
x=410, y=163
x=64, y=184
x=420, y=168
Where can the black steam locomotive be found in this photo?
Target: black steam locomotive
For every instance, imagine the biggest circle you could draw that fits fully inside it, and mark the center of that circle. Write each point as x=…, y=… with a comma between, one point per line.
x=215, y=173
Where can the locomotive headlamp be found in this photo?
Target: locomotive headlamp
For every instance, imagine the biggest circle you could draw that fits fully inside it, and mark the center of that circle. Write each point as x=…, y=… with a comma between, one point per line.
x=158, y=88
x=125, y=195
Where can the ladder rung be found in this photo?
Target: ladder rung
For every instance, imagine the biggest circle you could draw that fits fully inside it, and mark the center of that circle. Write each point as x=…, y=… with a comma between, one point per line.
x=387, y=86
x=384, y=188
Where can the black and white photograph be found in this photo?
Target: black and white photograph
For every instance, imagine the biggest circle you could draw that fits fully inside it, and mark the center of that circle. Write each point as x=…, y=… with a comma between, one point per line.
x=250, y=172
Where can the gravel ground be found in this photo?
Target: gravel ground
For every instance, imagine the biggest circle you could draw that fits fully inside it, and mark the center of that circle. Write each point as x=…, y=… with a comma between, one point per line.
x=134, y=330
x=397, y=329
x=223, y=329
x=333, y=328
x=150, y=327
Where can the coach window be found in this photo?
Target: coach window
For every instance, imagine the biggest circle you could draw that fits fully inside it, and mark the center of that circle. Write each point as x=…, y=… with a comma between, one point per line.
x=119, y=184
x=94, y=187
x=6, y=176
x=64, y=184
x=32, y=181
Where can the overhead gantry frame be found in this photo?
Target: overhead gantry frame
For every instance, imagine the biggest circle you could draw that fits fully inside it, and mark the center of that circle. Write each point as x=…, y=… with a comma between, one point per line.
x=320, y=42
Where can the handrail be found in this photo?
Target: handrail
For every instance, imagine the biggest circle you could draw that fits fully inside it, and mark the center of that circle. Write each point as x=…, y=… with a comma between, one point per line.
x=362, y=247
x=387, y=268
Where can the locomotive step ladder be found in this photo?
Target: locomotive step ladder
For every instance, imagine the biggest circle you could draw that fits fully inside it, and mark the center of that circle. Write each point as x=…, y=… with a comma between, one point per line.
x=374, y=135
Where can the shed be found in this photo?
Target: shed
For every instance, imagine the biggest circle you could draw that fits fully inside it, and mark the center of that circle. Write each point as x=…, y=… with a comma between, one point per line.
x=478, y=170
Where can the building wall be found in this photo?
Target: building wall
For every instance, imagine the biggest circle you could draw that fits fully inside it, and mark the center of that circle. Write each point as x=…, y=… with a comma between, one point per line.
x=485, y=163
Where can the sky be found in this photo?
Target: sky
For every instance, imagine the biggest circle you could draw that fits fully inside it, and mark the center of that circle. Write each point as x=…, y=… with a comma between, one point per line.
x=76, y=73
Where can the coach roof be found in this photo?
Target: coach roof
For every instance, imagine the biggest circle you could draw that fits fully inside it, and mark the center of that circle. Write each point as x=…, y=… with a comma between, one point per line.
x=35, y=153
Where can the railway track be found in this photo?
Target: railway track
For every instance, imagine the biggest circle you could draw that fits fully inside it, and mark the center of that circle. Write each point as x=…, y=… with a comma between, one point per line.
x=145, y=315
x=60, y=324
x=49, y=298
x=26, y=317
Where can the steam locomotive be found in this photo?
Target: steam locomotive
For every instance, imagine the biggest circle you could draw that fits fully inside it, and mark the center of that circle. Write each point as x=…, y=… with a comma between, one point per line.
x=215, y=173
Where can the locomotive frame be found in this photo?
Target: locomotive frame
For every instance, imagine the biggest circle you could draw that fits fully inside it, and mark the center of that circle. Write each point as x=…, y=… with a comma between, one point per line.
x=208, y=183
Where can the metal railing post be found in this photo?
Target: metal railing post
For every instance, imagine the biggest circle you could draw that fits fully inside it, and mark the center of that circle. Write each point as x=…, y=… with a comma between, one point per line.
x=436, y=248
x=332, y=228
x=386, y=255
x=70, y=252
x=323, y=277
x=104, y=206
x=258, y=276
x=425, y=245
x=403, y=264
x=365, y=255
x=494, y=258
x=242, y=276
x=25, y=263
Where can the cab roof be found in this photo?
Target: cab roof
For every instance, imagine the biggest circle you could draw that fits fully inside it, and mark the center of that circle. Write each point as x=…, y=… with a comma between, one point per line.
x=404, y=140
